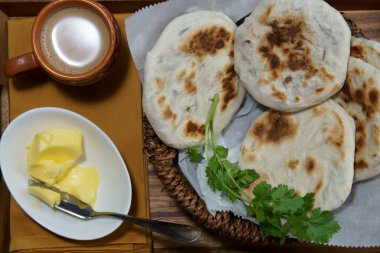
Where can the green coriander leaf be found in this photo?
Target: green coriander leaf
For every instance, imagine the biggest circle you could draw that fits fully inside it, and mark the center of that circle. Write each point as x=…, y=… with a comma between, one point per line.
x=250, y=210
x=321, y=226
x=285, y=201
x=287, y=206
x=261, y=210
x=221, y=151
x=232, y=196
x=262, y=192
x=296, y=226
x=242, y=178
x=261, y=203
x=275, y=220
x=194, y=155
x=308, y=201
x=218, y=179
x=246, y=177
x=271, y=205
x=282, y=191
x=261, y=213
x=231, y=172
x=231, y=168
x=270, y=229
x=212, y=170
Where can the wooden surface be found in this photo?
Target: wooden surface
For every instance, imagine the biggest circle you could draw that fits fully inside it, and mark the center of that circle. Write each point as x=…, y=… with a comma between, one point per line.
x=162, y=206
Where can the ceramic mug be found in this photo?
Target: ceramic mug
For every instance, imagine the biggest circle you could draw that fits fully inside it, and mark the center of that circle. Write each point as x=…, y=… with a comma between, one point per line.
x=75, y=41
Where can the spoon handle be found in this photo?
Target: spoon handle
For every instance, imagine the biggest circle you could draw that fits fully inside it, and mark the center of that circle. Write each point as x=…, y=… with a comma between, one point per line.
x=180, y=232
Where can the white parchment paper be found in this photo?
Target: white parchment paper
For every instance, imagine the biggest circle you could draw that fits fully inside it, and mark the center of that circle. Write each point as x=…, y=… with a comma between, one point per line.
x=358, y=217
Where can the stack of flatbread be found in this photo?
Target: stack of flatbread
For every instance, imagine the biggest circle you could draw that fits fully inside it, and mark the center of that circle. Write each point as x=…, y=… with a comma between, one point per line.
x=293, y=59
x=290, y=58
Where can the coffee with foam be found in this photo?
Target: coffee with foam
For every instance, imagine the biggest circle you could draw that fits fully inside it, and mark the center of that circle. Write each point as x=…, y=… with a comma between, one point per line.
x=74, y=40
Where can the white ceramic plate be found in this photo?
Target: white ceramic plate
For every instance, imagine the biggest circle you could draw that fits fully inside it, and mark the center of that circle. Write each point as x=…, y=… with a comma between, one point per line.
x=114, y=193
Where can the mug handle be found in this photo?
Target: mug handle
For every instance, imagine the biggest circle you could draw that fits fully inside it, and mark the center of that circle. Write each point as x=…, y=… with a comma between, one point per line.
x=20, y=64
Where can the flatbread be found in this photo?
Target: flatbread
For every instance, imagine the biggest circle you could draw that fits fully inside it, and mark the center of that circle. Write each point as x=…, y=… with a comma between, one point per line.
x=191, y=61
x=367, y=50
x=292, y=54
x=310, y=151
x=360, y=98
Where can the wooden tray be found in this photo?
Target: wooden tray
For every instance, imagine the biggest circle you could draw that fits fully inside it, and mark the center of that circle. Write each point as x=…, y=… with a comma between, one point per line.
x=367, y=16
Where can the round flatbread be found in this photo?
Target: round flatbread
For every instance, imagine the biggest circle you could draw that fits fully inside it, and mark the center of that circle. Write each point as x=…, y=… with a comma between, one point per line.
x=191, y=62
x=360, y=98
x=310, y=151
x=367, y=50
x=292, y=54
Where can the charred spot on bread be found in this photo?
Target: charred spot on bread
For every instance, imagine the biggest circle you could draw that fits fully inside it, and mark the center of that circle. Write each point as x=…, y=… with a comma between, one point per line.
x=229, y=90
x=161, y=100
x=194, y=129
x=289, y=37
x=360, y=164
x=160, y=82
x=292, y=164
x=169, y=115
x=274, y=128
x=206, y=41
x=278, y=94
x=318, y=186
x=266, y=14
x=374, y=96
x=357, y=51
x=310, y=164
x=190, y=86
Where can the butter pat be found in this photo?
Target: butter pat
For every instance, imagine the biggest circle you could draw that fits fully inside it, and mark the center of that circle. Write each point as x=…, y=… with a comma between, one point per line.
x=81, y=182
x=49, y=171
x=53, y=152
x=58, y=145
x=48, y=196
x=51, y=159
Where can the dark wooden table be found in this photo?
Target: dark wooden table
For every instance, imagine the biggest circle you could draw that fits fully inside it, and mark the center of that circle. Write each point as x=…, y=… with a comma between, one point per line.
x=366, y=13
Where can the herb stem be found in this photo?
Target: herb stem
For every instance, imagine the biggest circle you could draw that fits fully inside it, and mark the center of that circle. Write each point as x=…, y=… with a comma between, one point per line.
x=209, y=124
x=226, y=186
x=209, y=131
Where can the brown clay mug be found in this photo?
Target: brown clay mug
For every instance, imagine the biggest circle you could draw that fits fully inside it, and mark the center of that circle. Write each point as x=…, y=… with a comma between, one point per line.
x=75, y=41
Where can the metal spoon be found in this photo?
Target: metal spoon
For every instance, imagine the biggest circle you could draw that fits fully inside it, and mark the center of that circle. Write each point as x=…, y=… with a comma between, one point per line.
x=71, y=205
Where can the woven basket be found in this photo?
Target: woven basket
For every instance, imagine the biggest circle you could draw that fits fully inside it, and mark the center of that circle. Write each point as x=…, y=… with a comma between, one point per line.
x=165, y=163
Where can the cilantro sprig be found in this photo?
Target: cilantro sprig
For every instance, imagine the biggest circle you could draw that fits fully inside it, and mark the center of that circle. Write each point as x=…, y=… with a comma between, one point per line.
x=279, y=211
